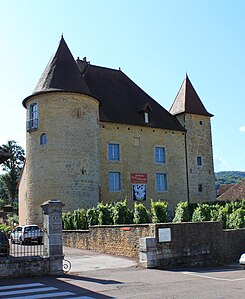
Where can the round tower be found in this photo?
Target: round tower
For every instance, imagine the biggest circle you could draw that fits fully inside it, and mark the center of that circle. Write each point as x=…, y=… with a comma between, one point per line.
x=62, y=142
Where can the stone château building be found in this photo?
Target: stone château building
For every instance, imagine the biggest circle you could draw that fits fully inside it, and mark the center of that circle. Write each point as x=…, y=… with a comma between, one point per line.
x=94, y=135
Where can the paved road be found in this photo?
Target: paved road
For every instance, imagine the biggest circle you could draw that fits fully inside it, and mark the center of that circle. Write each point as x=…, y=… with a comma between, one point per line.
x=85, y=260
x=121, y=278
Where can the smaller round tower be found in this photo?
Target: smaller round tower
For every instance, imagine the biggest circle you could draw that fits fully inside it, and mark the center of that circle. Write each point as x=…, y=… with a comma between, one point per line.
x=62, y=142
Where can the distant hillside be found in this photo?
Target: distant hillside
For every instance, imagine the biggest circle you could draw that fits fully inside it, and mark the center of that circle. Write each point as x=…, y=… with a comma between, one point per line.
x=228, y=177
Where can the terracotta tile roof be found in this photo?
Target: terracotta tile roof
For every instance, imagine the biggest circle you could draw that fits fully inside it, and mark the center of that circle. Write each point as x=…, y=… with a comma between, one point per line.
x=223, y=188
x=188, y=101
x=237, y=192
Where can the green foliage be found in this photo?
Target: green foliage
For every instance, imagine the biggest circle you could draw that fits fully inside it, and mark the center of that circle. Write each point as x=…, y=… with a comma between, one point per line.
x=2, y=203
x=201, y=213
x=228, y=177
x=79, y=219
x=236, y=219
x=5, y=228
x=12, y=219
x=231, y=214
x=67, y=222
x=121, y=213
x=13, y=167
x=159, y=211
x=105, y=214
x=182, y=213
x=141, y=214
x=93, y=216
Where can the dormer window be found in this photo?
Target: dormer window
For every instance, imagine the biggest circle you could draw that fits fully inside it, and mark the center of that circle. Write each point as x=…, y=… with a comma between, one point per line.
x=146, y=109
x=32, y=122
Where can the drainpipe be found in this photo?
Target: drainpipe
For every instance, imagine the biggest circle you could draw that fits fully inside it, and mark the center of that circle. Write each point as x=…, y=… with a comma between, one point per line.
x=187, y=171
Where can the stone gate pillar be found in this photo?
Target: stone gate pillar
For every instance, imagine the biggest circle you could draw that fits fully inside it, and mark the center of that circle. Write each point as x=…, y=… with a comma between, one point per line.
x=52, y=225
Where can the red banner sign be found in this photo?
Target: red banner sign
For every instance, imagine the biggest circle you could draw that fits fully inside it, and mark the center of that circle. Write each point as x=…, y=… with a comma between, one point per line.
x=139, y=178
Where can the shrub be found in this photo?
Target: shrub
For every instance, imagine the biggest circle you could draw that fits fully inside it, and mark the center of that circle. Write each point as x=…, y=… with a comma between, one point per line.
x=159, y=211
x=105, y=214
x=67, y=222
x=236, y=219
x=182, y=213
x=141, y=214
x=201, y=213
x=79, y=219
x=121, y=213
x=93, y=216
x=5, y=228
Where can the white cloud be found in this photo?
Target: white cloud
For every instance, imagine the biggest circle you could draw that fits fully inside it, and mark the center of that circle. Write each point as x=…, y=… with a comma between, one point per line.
x=220, y=164
x=242, y=129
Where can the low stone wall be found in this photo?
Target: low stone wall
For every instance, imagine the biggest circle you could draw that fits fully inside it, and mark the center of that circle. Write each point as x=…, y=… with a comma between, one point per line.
x=112, y=239
x=190, y=244
x=30, y=266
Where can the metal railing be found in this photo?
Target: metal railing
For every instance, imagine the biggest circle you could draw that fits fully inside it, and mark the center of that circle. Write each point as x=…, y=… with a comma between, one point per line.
x=32, y=124
x=31, y=245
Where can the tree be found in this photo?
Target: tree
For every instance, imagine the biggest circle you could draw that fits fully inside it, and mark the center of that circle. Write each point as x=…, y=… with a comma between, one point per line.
x=13, y=167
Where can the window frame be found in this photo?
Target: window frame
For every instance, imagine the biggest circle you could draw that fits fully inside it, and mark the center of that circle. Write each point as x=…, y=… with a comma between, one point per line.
x=114, y=181
x=163, y=184
x=113, y=155
x=200, y=188
x=32, y=122
x=160, y=158
x=43, y=139
x=199, y=161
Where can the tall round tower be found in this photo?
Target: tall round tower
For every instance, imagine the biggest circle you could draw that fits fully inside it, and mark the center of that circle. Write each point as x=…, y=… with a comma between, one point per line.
x=62, y=142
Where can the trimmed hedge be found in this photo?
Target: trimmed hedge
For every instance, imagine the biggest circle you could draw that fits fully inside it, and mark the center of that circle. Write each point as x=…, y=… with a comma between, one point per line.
x=231, y=214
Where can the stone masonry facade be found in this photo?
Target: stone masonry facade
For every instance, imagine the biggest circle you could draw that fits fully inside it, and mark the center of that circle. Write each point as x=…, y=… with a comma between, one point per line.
x=93, y=135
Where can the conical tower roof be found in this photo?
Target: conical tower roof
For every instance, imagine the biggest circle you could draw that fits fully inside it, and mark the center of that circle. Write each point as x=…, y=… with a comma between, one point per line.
x=188, y=101
x=61, y=74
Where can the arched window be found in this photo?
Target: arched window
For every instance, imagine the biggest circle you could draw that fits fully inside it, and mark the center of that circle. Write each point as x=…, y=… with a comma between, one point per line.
x=43, y=139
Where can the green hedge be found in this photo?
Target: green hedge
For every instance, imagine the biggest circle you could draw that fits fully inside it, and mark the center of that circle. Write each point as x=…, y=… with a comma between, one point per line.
x=231, y=214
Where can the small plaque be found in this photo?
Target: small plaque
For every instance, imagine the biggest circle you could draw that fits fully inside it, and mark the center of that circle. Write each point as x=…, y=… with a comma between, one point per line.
x=164, y=235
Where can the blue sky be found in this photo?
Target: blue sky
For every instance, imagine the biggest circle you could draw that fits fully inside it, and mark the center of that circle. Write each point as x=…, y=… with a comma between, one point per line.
x=154, y=42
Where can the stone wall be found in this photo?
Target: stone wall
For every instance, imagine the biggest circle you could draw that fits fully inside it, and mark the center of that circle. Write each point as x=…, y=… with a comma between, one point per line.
x=29, y=266
x=115, y=239
x=137, y=146
x=191, y=244
x=199, y=143
x=67, y=166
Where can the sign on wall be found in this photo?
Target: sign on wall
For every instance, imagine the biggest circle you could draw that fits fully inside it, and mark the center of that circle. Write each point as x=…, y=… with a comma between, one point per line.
x=164, y=235
x=139, y=181
x=139, y=192
x=139, y=178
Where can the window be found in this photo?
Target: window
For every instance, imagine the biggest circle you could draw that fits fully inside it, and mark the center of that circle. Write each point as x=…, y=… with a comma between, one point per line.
x=32, y=122
x=199, y=161
x=113, y=152
x=136, y=141
x=160, y=155
x=200, y=188
x=43, y=139
x=146, y=117
x=161, y=182
x=114, y=181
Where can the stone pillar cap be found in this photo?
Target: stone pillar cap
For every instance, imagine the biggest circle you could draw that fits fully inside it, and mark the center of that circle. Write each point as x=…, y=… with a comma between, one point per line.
x=52, y=201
